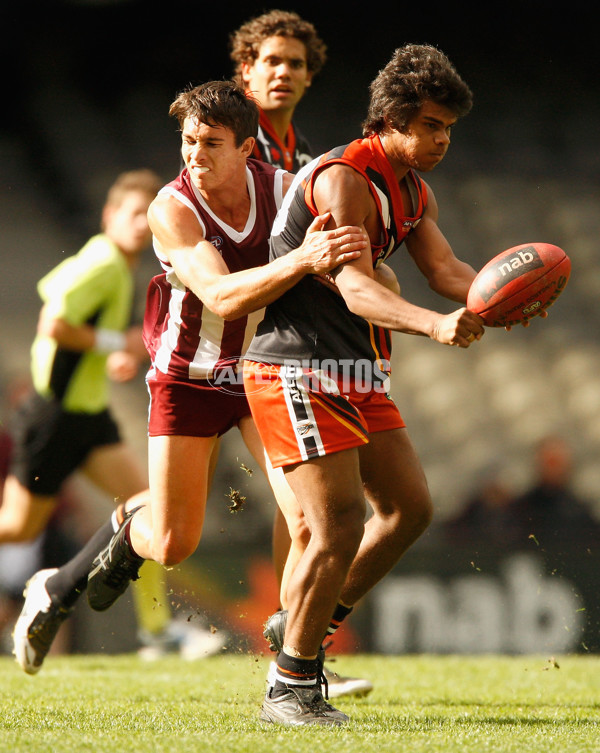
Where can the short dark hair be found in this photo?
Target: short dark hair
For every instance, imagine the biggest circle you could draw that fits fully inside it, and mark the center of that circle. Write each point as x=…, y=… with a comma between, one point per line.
x=221, y=103
x=246, y=41
x=416, y=73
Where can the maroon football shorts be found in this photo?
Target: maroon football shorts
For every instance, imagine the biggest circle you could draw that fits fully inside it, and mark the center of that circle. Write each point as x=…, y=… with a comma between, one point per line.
x=193, y=408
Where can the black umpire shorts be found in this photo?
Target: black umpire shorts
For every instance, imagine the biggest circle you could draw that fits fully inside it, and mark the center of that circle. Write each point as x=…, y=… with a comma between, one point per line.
x=50, y=443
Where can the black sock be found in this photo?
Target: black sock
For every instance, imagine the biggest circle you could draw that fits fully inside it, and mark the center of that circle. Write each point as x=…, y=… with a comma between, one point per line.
x=67, y=585
x=339, y=615
x=294, y=672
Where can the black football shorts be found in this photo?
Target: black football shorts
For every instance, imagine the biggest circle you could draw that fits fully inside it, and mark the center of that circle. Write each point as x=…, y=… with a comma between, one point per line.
x=50, y=443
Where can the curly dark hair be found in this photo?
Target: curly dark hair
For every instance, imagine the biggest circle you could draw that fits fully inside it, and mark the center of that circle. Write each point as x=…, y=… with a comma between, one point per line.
x=246, y=41
x=221, y=103
x=414, y=74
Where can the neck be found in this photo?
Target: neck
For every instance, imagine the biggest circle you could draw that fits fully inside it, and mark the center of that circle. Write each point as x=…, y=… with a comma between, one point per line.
x=399, y=167
x=230, y=204
x=132, y=258
x=280, y=121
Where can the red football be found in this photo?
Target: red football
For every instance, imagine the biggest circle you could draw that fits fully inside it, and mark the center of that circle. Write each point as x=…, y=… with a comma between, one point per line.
x=519, y=283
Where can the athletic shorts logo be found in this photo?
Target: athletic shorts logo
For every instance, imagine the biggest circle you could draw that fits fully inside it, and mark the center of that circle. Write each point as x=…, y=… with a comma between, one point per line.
x=304, y=429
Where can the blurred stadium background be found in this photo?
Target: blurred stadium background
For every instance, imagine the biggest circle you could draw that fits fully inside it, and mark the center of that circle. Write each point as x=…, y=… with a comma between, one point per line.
x=87, y=87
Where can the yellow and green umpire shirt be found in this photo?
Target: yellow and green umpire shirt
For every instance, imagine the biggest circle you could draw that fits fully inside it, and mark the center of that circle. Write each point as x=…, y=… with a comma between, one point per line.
x=95, y=287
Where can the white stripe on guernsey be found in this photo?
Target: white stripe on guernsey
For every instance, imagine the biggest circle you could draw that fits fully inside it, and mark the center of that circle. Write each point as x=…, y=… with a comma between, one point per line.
x=183, y=199
x=170, y=336
x=208, y=351
x=385, y=212
x=209, y=347
x=278, y=187
x=280, y=219
x=294, y=392
x=260, y=136
x=385, y=206
x=285, y=679
x=231, y=232
x=167, y=190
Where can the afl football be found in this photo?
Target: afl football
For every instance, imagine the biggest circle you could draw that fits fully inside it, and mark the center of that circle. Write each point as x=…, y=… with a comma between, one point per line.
x=518, y=283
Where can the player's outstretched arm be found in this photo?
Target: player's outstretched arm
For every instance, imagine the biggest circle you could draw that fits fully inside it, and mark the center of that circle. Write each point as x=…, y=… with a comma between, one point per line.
x=230, y=295
x=344, y=193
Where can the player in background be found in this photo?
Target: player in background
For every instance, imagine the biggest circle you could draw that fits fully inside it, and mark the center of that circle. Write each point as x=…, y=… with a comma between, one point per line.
x=211, y=230
x=276, y=56
x=83, y=340
x=330, y=425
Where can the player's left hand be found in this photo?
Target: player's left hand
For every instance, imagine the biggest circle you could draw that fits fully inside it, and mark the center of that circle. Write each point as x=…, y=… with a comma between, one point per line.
x=323, y=250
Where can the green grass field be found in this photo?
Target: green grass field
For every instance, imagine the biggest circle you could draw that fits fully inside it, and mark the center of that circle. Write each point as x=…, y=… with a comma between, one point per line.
x=118, y=704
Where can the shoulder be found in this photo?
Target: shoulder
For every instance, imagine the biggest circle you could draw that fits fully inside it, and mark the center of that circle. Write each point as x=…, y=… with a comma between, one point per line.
x=100, y=252
x=342, y=178
x=100, y=264
x=429, y=199
x=271, y=182
x=261, y=169
x=342, y=190
x=167, y=207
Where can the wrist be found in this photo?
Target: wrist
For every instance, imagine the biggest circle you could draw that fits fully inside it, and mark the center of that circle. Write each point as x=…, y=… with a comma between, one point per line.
x=108, y=340
x=296, y=260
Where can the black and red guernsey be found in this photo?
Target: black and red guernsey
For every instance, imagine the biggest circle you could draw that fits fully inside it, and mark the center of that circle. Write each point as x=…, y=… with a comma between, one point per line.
x=310, y=322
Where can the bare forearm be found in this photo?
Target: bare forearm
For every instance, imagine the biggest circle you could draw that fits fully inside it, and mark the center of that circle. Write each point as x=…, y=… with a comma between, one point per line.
x=84, y=337
x=240, y=293
x=68, y=336
x=385, y=308
x=382, y=307
x=454, y=284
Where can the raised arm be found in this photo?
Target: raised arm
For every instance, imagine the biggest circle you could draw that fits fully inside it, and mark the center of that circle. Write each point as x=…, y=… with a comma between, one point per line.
x=230, y=295
x=343, y=192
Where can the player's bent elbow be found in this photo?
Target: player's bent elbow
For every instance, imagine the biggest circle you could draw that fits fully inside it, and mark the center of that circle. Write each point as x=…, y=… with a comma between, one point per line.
x=356, y=307
x=230, y=314
x=48, y=327
x=226, y=308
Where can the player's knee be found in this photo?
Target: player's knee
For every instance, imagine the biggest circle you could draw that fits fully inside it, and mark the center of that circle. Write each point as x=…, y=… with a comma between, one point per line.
x=405, y=518
x=299, y=532
x=424, y=513
x=418, y=515
x=347, y=532
x=171, y=550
